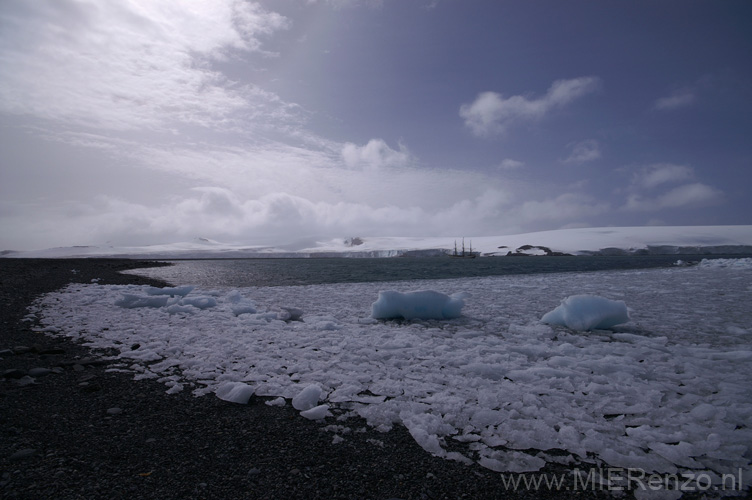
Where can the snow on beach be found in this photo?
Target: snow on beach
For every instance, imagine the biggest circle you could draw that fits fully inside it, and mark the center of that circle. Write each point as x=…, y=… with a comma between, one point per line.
x=668, y=392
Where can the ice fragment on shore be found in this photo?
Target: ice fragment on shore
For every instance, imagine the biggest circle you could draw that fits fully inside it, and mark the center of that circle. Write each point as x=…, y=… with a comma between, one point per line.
x=316, y=413
x=132, y=301
x=170, y=290
x=588, y=312
x=510, y=461
x=423, y=304
x=235, y=392
x=290, y=314
x=427, y=429
x=200, y=301
x=174, y=389
x=240, y=305
x=165, y=297
x=177, y=309
x=307, y=398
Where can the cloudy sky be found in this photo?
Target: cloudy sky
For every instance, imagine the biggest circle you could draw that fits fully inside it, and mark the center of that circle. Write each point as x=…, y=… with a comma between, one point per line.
x=269, y=122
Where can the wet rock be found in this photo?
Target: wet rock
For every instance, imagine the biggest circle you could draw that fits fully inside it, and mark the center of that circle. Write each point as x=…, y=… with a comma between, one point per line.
x=94, y=362
x=39, y=372
x=85, y=362
x=25, y=380
x=23, y=454
x=53, y=350
x=14, y=373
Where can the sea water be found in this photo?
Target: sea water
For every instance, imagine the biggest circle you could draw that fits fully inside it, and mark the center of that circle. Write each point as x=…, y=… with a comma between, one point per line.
x=316, y=271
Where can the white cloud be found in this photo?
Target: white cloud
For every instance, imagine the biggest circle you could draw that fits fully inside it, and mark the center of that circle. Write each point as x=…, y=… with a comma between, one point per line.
x=136, y=89
x=376, y=155
x=584, y=151
x=563, y=207
x=338, y=4
x=661, y=173
x=510, y=164
x=647, y=191
x=396, y=203
x=224, y=215
x=677, y=99
x=688, y=195
x=374, y=173
x=132, y=65
x=492, y=113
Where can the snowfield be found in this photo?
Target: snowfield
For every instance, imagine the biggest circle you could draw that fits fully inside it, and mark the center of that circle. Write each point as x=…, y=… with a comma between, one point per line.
x=660, y=239
x=669, y=392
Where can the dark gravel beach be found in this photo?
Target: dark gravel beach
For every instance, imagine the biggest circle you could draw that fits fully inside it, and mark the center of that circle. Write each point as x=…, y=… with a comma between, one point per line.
x=70, y=429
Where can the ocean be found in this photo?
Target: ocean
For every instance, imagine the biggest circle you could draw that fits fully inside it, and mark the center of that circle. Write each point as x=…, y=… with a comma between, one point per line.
x=317, y=271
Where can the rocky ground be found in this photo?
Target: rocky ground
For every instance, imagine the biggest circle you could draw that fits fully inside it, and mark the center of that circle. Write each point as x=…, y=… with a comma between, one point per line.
x=70, y=429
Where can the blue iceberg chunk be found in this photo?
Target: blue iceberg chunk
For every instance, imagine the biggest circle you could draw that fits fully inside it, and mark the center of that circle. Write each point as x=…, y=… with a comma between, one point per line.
x=588, y=312
x=424, y=304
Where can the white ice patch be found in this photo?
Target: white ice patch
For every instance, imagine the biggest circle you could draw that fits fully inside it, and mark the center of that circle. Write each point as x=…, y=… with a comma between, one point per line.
x=588, y=312
x=240, y=305
x=670, y=392
x=424, y=304
x=162, y=297
x=201, y=302
x=307, y=398
x=739, y=264
x=132, y=301
x=170, y=290
x=316, y=413
x=235, y=392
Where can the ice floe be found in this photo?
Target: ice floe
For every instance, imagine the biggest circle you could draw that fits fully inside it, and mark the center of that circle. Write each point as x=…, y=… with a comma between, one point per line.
x=235, y=392
x=744, y=263
x=668, y=392
x=588, y=312
x=422, y=304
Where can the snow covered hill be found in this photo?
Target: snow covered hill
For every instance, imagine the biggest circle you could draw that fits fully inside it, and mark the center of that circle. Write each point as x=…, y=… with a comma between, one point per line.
x=580, y=241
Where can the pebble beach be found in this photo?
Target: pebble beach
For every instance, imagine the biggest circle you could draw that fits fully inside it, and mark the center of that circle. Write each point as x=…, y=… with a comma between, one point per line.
x=71, y=428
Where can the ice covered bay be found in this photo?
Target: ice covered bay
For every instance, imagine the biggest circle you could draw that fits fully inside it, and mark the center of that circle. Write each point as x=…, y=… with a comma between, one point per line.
x=670, y=391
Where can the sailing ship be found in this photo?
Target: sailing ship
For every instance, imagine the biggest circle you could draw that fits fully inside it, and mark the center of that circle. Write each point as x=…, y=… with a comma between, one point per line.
x=463, y=254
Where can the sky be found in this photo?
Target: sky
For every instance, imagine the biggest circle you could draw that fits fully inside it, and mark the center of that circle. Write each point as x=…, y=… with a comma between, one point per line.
x=283, y=122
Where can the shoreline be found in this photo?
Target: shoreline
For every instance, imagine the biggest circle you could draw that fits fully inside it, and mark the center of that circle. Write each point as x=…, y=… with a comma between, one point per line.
x=83, y=432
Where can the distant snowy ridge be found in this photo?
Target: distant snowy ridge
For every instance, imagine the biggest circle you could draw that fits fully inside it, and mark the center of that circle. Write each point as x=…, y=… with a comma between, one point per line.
x=581, y=241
